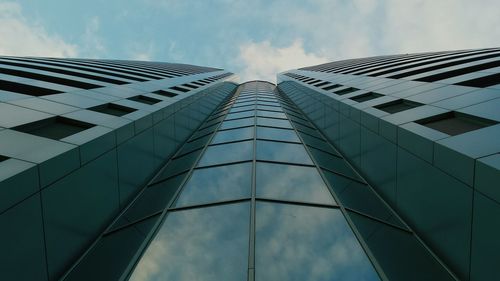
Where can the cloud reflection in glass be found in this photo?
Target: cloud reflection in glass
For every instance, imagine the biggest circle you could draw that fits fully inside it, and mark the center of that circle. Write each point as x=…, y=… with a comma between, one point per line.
x=199, y=244
x=282, y=152
x=217, y=184
x=307, y=243
x=294, y=183
x=227, y=153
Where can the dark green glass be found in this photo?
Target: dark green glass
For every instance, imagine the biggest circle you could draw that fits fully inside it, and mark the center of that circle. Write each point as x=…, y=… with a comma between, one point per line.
x=233, y=135
x=199, y=244
x=217, y=184
x=271, y=122
x=282, y=152
x=277, y=134
x=227, y=153
x=307, y=243
x=293, y=183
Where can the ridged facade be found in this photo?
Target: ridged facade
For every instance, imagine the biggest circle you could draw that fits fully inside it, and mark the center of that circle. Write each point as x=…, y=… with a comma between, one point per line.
x=381, y=168
x=423, y=130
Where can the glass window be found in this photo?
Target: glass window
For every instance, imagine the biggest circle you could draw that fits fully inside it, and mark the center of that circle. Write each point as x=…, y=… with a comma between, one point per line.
x=214, y=121
x=333, y=163
x=265, y=96
x=217, y=184
x=282, y=152
x=398, y=251
x=227, y=153
x=247, y=98
x=241, y=108
x=268, y=99
x=277, y=134
x=243, y=103
x=307, y=243
x=194, y=145
x=306, y=129
x=250, y=113
x=271, y=108
x=269, y=103
x=233, y=135
x=318, y=143
x=204, y=131
x=271, y=114
x=128, y=240
x=281, y=123
x=178, y=165
x=237, y=123
x=199, y=244
x=293, y=183
x=155, y=198
x=361, y=198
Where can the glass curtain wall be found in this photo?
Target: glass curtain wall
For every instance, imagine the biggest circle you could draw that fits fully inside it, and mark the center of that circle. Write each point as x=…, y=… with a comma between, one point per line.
x=255, y=205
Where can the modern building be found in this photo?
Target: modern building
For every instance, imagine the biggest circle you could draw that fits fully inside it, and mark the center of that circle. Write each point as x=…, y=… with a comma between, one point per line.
x=383, y=168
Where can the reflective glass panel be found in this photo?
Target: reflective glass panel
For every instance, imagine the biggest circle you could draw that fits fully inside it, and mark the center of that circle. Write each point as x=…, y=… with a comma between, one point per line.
x=243, y=114
x=179, y=165
x=361, y=198
x=282, y=152
x=194, y=145
x=398, y=251
x=155, y=198
x=244, y=103
x=199, y=244
x=306, y=129
x=333, y=163
x=128, y=240
x=226, y=153
x=237, y=123
x=271, y=114
x=242, y=108
x=272, y=108
x=282, y=123
x=233, y=135
x=269, y=99
x=247, y=98
x=205, y=131
x=217, y=184
x=318, y=143
x=307, y=243
x=277, y=134
x=293, y=183
x=268, y=103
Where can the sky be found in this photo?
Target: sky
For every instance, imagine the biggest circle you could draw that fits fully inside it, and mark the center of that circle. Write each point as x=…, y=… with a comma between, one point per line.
x=254, y=38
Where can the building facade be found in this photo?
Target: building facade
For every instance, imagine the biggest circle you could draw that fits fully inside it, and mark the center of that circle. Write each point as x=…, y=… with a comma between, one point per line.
x=383, y=168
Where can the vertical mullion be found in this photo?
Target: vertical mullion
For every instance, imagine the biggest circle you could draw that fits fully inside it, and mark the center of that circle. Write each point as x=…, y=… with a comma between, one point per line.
x=251, y=256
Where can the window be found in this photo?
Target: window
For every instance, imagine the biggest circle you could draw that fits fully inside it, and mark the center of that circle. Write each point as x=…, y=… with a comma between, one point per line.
x=54, y=128
x=455, y=123
x=397, y=106
x=113, y=109
x=144, y=99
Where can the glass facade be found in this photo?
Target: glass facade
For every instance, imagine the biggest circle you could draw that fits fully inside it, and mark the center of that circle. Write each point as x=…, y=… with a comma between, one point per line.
x=255, y=209
x=382, y=168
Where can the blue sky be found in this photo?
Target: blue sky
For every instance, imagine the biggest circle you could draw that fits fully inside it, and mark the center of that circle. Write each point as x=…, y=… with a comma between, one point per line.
x=255, y=39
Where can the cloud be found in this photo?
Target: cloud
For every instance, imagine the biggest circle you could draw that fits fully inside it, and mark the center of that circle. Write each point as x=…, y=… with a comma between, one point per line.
x=142, y=51
x=425, y=25
x=92, y=44
x=21, y=38
x=261, y=61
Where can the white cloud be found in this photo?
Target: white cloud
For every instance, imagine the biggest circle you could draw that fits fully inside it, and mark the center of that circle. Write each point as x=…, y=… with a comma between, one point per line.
x=262, y=61
x=426, y=25
x=21, y=38
x=174, y=52
x=92, y=44
x=142, y=51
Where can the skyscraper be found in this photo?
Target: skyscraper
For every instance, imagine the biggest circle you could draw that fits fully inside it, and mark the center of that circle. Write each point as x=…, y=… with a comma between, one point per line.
x=383, y=168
